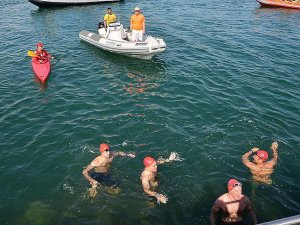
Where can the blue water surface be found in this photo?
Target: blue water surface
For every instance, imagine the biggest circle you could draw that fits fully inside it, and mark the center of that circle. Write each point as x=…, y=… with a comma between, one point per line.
x=227, y=82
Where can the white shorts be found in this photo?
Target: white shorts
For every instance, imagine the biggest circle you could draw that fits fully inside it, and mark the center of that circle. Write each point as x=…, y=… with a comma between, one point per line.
x=137, y=35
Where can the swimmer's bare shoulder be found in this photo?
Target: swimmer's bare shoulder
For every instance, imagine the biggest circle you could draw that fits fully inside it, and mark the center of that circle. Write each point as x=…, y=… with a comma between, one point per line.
x=218, y=205
x=98, y=161
x=246, y=201
x=145, y=174
x=220, y=202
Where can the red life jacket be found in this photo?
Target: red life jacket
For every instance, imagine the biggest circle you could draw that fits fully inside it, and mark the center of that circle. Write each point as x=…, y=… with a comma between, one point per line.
x=42, y=55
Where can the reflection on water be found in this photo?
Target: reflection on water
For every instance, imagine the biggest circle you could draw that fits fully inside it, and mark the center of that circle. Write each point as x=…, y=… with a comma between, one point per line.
x=141, y=83
x=39, y=213
x=42, y=86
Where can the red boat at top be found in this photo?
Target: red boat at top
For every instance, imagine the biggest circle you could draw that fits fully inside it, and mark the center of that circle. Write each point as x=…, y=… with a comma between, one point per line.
x=293, y=4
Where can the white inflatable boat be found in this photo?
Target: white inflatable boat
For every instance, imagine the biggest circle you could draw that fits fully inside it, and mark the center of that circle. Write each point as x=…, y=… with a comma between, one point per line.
x=118, y=40
x=46, y=3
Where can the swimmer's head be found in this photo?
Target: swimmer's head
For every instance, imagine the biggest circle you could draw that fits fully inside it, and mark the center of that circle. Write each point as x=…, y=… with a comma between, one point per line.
x=104, y=148
x=232, y=183
x=262, y=154
x=148, y=161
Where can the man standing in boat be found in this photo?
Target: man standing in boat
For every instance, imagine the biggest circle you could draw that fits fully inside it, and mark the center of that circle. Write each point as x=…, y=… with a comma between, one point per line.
x=137, y=25
x=232, y=205
x=260, y=168
x=101, y=165
x=109, y=17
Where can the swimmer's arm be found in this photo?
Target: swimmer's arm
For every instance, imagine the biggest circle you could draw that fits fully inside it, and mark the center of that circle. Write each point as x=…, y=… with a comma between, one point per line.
x=245, y=157
x=162, y=161
x=132, y=155
x=213, y=212
x=144, y=26
x=172, y=157
x=251, y=211
x=146, y=187
x=275, y=153
x=85, y=173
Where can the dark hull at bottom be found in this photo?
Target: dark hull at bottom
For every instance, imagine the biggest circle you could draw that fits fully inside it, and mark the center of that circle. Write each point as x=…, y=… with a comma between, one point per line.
x=292, y=4
x=41, y=3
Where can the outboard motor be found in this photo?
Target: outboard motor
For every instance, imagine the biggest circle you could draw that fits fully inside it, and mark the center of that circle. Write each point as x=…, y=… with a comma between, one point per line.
x=100, y=25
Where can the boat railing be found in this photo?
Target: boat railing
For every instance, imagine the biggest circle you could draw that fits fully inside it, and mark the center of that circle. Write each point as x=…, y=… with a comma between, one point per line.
x=115, y=25
x=285, y=221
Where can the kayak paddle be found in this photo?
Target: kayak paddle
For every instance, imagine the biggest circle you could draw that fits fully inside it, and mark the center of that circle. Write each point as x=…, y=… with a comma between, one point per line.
x=31, y=54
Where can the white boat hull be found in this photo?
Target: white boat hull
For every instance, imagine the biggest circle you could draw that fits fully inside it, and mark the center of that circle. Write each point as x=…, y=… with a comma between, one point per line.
x=145, y=50
x=46, y=3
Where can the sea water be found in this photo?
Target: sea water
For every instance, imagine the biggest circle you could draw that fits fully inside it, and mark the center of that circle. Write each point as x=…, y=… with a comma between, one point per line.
x=227, y=82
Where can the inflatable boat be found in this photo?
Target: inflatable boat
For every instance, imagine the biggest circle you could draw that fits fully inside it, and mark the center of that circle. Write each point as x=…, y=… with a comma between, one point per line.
x=46, y=3
x=118, y=40
x=294, y=4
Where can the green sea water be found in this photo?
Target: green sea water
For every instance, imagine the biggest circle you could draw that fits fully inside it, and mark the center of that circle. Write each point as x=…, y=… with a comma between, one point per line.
x=227, y=82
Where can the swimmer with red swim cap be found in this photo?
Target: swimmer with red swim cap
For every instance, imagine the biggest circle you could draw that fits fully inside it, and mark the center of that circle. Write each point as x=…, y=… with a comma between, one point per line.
x=149, y=176
x=101, y=164
x=261, y=168
x=232, y=206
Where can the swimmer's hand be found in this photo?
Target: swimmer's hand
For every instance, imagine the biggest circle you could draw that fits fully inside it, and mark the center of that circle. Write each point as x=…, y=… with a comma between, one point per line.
x=254, y=149
x=274, y=145
x=161, y=198
x=92, y=192
x=94, y=184
x=174, y=157
x=131, y=155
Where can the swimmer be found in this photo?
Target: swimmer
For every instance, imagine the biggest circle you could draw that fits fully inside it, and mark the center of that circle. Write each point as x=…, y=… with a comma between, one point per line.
x=149, y=176
x=101, y=165
x=260, y=168
x=232, y=205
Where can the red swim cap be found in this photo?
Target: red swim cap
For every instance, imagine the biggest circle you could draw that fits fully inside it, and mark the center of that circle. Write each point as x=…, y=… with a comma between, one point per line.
x=262, y=154
x=148, y=161
x=233, y=183
x=104, y=147
x=40, y=44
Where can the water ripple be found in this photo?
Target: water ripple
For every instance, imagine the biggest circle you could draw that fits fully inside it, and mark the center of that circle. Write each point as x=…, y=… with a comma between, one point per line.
x=227, y=82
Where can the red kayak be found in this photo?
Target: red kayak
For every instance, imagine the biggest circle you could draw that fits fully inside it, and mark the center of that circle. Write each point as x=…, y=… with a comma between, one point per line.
x=41, y=68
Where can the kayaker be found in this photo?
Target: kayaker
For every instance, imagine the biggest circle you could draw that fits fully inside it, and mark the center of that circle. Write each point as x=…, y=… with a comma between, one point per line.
x=260, y=168
x=137, y=25
x=42, y=54
x=232, y=205
x=101, y=165
x=109, y=17
x=149, y=176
